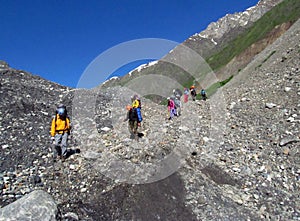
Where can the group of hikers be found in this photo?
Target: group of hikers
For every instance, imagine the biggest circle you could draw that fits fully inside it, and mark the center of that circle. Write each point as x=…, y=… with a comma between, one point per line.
x=134, y=115
x=174, y=101
x=61, y=125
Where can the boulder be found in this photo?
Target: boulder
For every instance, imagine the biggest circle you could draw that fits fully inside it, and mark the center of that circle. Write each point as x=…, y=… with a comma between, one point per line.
x=37, y=205
x=3, y=65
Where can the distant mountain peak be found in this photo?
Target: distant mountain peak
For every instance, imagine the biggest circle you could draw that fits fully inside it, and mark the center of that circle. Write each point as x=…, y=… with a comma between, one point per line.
x=216, y=30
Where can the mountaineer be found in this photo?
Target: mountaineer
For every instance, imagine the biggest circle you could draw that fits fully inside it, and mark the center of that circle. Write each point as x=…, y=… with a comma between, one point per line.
x=177, y=93
x=60, y=130
x=203, y=94
x=171, y=108
x=193, y=92
x=178, y=105
x=134, y=121
x=186, y=95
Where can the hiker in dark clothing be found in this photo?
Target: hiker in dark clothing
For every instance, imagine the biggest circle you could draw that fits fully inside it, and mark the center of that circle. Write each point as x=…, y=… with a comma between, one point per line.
x=193, y=92
x=133, y=121
x=203, y=95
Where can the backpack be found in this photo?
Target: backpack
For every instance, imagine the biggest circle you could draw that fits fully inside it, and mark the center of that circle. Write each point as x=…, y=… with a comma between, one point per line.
x=203, y=92
x=193, y=92
x=177, y=102
x=133, y=114
x=139, y=114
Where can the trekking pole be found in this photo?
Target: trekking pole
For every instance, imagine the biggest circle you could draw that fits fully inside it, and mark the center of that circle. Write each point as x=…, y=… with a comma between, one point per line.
x=52, y=149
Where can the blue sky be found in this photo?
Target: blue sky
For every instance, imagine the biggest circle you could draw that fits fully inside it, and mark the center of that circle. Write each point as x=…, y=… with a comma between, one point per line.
x=58, y=39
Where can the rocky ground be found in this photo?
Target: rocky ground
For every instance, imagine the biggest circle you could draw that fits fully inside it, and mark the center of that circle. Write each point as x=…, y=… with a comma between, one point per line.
x=233, y=157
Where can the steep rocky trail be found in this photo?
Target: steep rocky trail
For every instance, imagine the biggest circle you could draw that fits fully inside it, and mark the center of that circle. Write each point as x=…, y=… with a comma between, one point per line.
x=234, y=156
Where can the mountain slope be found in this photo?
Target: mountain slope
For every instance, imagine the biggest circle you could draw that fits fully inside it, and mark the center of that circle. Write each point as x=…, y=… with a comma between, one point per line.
x=227, y=45
x=262, y=33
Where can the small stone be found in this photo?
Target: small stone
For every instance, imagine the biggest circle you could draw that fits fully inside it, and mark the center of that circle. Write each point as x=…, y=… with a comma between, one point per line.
x=36, y=179
x=71, y=216
x=287, y=89
x=270, y=105
x=6, y=179
x=105, y=129
x=184, y=128
x=5, y=146
x=291, y=119
x=235, y=169
x=83, y=190
x=205, y=139
x=164, y=130
x=232, y=105
x=256, y=196
x=261, y=169
x=24, y=191
x=286, y=151
x=288, y=140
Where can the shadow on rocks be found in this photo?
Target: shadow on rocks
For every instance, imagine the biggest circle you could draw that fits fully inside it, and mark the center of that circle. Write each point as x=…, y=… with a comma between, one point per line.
x=71, y=152
x=140, y=135
x=162, y=200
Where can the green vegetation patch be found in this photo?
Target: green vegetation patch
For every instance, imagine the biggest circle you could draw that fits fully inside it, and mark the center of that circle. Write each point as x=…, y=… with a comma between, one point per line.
x=214, y=87
x=286, y=11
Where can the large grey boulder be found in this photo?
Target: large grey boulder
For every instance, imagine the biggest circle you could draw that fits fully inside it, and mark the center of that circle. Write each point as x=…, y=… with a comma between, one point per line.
x=38, y=205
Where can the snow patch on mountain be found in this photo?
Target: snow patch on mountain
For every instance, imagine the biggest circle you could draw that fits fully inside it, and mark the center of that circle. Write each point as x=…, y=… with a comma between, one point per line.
x=111, y=79
x=141, y=67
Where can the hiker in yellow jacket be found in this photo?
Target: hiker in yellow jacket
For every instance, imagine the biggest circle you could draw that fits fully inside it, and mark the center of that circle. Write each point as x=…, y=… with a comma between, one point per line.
x=136, y=101
x=60, y=130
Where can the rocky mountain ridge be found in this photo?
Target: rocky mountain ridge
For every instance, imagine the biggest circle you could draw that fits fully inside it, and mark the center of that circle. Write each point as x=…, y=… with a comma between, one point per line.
x=216, y=31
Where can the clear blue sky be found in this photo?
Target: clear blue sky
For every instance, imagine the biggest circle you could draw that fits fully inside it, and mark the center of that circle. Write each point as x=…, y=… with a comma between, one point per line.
x=58, y=39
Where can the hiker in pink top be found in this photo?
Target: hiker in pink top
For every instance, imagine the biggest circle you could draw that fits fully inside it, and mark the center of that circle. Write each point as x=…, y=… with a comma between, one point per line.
x=171, y=108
